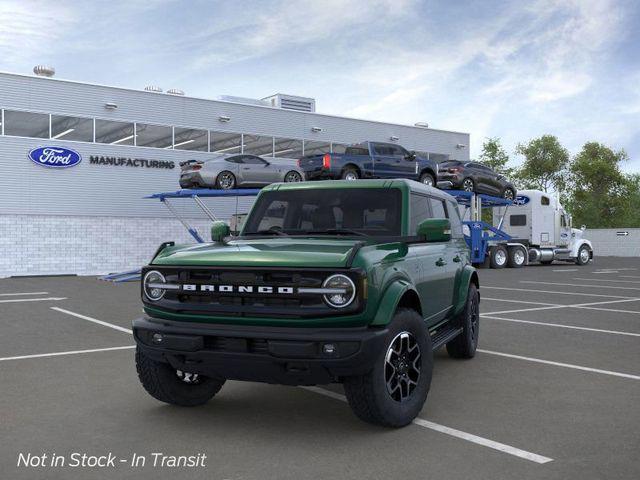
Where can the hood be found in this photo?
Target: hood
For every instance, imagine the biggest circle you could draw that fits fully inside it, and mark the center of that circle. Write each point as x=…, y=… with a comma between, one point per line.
x=271, y=252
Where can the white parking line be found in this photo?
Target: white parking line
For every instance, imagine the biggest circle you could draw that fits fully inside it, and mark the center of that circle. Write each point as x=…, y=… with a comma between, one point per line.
x=469, y=437
x=23, y=293
x=575, y=305
x=606, y=280
x=20, y=300
x=572, y=327
x=566, y=270
x=552, y=291
x=519, y=301
x=94, y=320
x=629, y=276
x=560, y=364
x=71, y=352
x=581, y=285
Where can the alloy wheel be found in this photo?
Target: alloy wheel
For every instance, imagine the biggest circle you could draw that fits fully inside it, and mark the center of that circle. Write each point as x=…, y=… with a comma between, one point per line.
x=518, y=256
x=467, y=185
x=351, y=176
x=402, y=366
x=293, y=177
x=473, y=319
x=190, y=378
x=584, y=255
x=501, y=257
x=427, y=180
x=508, y=194
x=226, y=181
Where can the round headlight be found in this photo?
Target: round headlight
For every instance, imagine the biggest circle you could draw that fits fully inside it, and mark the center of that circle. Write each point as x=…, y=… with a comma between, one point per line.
x=345, y=291
x=150, y=283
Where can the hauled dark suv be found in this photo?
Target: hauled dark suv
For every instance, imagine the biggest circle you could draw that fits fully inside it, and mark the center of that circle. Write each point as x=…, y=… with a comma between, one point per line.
x=475, y=177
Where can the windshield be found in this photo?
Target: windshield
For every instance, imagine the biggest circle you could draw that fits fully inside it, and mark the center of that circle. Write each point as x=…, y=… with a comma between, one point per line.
x=336, y=211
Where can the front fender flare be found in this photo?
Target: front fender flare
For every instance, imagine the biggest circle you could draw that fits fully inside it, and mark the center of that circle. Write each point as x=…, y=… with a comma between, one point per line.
x=467, y=276
x=389, y=302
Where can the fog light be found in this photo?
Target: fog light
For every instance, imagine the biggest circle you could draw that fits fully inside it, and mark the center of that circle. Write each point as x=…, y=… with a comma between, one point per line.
x=157, y=338
x=329, y=348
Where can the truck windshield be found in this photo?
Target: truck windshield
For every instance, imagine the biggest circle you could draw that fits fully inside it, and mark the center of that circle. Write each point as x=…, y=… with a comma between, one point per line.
x=336, y=211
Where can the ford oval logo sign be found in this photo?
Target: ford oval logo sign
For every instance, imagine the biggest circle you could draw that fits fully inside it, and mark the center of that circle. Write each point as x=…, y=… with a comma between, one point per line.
x=55, y=157
x=521, y=200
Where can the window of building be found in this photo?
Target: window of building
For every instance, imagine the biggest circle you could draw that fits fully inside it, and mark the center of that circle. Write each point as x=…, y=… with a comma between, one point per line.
x=287, y=148
x=26, y=124
x=420, y=210
x=114, y=133
x=338, y=148
x=226, y=143
x=156, y=136
x=316, y=148
x=258, y=145
x=71, y=128
x=190, y=139
x=517, y=220
x=437, y=208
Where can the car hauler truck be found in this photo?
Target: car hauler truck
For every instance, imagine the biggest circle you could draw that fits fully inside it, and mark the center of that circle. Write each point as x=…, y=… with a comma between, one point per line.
x=540, y=229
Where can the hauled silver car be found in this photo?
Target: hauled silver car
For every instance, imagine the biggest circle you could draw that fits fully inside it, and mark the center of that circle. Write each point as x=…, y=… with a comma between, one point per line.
x=232, y=171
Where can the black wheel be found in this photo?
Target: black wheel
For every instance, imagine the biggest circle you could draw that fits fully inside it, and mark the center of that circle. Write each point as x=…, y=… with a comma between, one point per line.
x=394, y=391
x=498, y=256
x=517, y=257
x=468, y=185
x=350, y=173
x=427, y=179
x=226, y=180
x=292, y=176
x=584, y=255
x=173, y=386
x=465, y=344
x=508, y=194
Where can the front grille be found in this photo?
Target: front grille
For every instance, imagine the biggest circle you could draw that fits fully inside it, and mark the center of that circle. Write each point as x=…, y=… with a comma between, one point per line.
x=254, y=304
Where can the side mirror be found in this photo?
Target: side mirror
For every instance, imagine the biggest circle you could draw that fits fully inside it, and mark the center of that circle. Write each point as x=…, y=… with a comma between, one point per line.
x=410, y=156
x=219, y=230
x=435, y=230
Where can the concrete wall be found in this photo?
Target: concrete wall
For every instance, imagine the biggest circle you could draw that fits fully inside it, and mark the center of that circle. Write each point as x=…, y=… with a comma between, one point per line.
x=609, y=242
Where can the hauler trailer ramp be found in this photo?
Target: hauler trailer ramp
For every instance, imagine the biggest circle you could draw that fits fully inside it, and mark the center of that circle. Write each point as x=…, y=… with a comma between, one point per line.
x=196, y=194
x=538, y=221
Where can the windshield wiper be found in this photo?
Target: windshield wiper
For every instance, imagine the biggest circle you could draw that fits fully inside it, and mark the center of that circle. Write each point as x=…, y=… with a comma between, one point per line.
x=337, y=231
x=268, y=232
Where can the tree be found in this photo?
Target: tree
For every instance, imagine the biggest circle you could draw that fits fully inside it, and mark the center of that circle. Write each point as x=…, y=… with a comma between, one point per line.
x=545, y=164
x=600, y=194
x=495, y=156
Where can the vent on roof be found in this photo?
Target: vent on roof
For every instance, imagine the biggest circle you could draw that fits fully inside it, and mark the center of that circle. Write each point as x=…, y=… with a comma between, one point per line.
x=44, y=71
x=153, y=88
x=175, y=91
x=291, y=102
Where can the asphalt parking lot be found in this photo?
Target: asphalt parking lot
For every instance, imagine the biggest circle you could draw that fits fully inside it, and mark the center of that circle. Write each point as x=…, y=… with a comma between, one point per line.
x=554, y=392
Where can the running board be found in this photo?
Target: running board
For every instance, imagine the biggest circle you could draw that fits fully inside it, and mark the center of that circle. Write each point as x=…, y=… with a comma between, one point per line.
x=444, y=336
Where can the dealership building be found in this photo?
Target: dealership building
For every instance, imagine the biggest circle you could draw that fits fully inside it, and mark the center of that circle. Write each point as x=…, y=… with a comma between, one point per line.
x=92, y=217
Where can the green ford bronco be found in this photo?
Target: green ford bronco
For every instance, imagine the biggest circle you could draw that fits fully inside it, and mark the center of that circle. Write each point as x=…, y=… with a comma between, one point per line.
x=335, y=281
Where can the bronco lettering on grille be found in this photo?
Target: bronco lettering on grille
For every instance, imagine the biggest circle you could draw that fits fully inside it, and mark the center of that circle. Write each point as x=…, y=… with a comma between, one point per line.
x=263, y=289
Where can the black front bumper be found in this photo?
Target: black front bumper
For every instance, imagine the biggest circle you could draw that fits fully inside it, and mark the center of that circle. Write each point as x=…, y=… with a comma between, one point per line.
x=288, y=356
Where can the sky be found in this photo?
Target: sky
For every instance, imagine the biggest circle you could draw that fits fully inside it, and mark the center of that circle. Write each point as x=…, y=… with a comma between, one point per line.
x=514, y=70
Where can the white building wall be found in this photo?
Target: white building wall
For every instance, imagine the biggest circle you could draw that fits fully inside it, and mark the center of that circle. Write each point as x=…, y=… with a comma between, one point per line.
x=612, y=242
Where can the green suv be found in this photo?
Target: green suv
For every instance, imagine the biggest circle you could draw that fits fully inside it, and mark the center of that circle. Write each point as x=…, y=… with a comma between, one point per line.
x=335, y=281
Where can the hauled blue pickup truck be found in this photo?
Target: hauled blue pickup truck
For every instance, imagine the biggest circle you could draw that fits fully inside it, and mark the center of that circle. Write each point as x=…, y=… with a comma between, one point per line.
x=370, y=160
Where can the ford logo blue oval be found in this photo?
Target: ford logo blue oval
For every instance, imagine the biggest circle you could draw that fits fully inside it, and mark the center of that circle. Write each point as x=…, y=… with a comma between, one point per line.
x=521, y=200
x=55, y=157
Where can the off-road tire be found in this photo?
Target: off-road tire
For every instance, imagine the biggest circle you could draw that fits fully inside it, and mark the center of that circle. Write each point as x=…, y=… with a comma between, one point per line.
x=426, y=176
x=368, y=395
x=465, y=344
x=579, y=260
x=513, y=260
x=499, y=256
x=350, y=172
x=220, y=177
x=161, y=381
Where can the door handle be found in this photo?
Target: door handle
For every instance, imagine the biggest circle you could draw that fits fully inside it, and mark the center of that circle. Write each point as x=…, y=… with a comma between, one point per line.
x=457, y=259
x=246, y=168
x=441, y=262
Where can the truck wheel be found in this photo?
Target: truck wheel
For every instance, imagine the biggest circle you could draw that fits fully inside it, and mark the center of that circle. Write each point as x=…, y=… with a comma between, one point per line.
x=394, y=391
x=517, y=257
x=427, y=179
x=583, y=255
x=172, y=386
x=499, y=256
x=225, y=180
x=465, y=344
x=350, y=173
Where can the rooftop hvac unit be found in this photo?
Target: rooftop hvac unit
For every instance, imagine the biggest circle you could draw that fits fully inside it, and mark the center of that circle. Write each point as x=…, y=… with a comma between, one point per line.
x=175, y=91
x=244, y=100
x=291, y=102
x=153, y=88
x=44, y=71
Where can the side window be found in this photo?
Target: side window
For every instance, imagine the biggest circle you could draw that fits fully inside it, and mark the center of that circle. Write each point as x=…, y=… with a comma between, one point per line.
x=456, y=223
x=517, y=220
x=420, y=210
x=234, y=159
x=397, y=151
x=274, y=216
x=437, y=208
x=382, y=150
x=545, y=200
x=251, y=160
